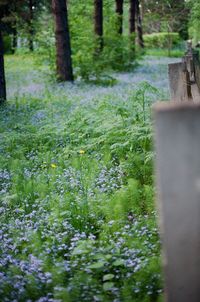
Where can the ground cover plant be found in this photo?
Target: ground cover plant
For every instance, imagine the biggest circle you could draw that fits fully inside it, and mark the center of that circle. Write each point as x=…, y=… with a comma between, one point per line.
x=77, y=214
x=77, y=197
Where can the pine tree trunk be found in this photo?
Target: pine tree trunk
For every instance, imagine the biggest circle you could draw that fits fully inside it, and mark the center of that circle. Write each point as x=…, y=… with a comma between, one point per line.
x=132, y=23
x=31, y=31
x=139, y=25
x=63, y=47
x=119, y=12
x=2, y=71
x=98, y=22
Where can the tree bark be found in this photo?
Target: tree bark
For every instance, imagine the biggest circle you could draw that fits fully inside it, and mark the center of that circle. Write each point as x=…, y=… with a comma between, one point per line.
x=132, y=19
x=2, y=71
x=63, y=47
x=139, y=25
x=119, y=12
x=31, y=31
x=132, y=27
x=98, y=22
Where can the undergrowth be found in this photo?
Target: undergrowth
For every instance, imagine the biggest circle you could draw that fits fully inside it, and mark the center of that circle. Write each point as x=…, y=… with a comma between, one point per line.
x=158, y=52
x=77, y=200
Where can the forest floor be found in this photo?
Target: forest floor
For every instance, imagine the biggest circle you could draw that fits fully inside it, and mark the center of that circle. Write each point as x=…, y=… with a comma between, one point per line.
x=20, y=81
x=78, y=221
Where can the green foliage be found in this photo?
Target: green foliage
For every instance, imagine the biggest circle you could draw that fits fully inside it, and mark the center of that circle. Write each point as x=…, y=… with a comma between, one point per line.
x=7, y=43
x=157, y=52
x=194, y=20
x=46, y=47
x=77, y=196
x=89, y=63
x=166, y=15
x=162, y=40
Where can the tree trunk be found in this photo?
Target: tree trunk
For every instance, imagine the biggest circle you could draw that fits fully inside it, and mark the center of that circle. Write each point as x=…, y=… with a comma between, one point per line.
x=14, y=29
x=119, y=12
x=132, y=22
x=98, y=22
x=63, y=47
x=30, y=25
x=132, y=16
x=2, y=71
x=139, y=25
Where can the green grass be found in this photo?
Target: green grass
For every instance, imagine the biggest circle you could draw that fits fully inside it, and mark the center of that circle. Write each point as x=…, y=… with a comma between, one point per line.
x=175, y=53
x=77, y=196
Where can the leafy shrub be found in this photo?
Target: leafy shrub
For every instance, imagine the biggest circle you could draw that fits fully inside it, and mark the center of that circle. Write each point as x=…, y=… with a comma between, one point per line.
x=194, y=21
x=7, y=43
x=89, y=63
x=161, y=40
x=46, y=47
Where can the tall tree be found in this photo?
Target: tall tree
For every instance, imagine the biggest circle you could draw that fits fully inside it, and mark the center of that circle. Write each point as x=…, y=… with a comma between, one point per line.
x=63, y=46
x=26, y=13
x=132, y=22
x=20, y=14
x=98, y=22
x=30, y=24
x=6, y=9
x=119, y=12
x=132, y=14
x=2, y=71
x=14, y=28
x=139, y=25
x=3, y=13
x=162, y=15
x=195, y=20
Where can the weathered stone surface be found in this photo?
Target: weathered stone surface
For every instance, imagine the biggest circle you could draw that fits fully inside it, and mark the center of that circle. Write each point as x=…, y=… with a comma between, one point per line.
x=178, y=178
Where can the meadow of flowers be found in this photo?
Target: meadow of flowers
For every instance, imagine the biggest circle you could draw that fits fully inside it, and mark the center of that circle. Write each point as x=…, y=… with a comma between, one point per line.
x=77, y=213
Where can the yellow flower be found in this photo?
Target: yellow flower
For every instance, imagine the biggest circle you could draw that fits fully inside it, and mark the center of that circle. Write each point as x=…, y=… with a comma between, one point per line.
x=81, y=152
x=53, y=166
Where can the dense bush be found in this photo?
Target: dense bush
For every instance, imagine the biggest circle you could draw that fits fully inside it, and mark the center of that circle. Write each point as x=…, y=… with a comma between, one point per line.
x=195, y=21
x=162, y=40
x=88, y=63
x=7, y=41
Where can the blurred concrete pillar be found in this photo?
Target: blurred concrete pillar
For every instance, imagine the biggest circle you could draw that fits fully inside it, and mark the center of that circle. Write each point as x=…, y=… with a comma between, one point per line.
x=177, y=137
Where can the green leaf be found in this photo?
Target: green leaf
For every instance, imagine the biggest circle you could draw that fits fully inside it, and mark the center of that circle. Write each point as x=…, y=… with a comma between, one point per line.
x=108, y=277
x=97, y=265
x=79, y=251
x=99, y=257
x=108, y=286
x=118, y=262
x=108, y=257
